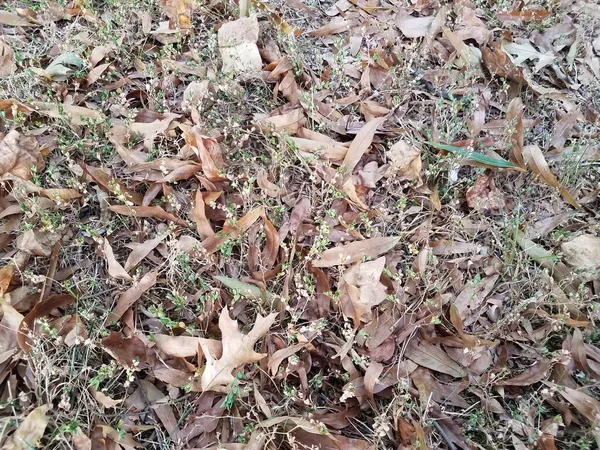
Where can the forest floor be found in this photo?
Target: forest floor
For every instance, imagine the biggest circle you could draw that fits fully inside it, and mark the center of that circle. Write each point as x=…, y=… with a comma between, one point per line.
x=384, y=236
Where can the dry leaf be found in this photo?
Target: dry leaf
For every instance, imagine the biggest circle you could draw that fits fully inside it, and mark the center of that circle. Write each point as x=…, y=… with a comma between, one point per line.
x=277, y=358
x=586, y=405
x=9, y=327
x=140, y=251
x=237, y=44
x=179, y=346
x=77, y=115
x=414, y=27
x=269, y=188
x=532, y=375
x=238, y=349
x=131, y=352
x=434, y=358
x=337, y=25
x=37, y=242
x=519, y=53
x=156, y=400
x=14, y=20
x=514, y=116
x=362, y=290
x=483, y=196
x=333, y=151
x=112, y=185
x=198, y=215
x=39, y=310
x=179, y=12
x=290, y=121
x=18, y=153
x=356, y=251
x=30, y=431
x=155, y=212
x=212, y=243
x=535, y=160
x=360, y=145
x=405, y=161
x=131, y=295
x=104, y=399
x=7, y=60
x=498, y=62
x=115, y=269
x=583, y=253
x=371, y=378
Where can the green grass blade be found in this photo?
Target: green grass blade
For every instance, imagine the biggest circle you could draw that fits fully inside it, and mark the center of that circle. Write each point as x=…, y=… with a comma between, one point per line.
x=476, y=157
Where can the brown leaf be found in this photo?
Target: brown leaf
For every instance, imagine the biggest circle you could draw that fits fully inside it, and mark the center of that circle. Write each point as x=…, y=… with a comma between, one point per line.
x=498, y=62
x=405, y=161
x=371, y=377
x=156, y=400
x=331, y=151
x=356, y=251
x=94, y=74
x=238, y=349
x=579, y=355
x=473, y=295
x=536, y=161
x=179, y=12
x=39, y=310
x=18, y=153
x=6, y=275
x=9, y=327
x=179, y=346
x=13, y=20
x=155, y=212
x=77, y=115
x=537, y=372
x=434, y=358
x=140, y=251
x=276, y=358
x=30, y=431
x=131, y=295
x=523, y=16
x=269, y=188
x=337, y=25
x=587, y=406
x=37, y=242
x=209, y=152
x=359, y=146
x=104, y=399
x=362, y=290
x=7, y=60
x=131, y=352
x=111, y=184
x=115, y=269
x=290, y=121
x=483, y=196
x=514, y=116
x=212, y=243
x=198, y=215
x=81, y=441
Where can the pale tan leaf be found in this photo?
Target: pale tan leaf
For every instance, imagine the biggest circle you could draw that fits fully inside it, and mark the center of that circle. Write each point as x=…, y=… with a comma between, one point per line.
x=372, y=377
x=514, y=116
x=7, y=60
x=115, y=269
x=536, y=161
x=158, y=401
x=467, y=55
x=337, y=25
x=414, y=27
x=290, y=121
x=13, y=20
x=356, y=251
x=155, y=212
x=81, y=441
x=198, y=215
x=9, y=326
x=178, y=346
x=77, y=115
x=30, y=431
x=405, y=160
x=18, y=153
x=104, y=399
x=269, y=188
x=131, y=295
x=37, y=242
x=360, y=144
x=94, y=74
x=583, y=253
x=331, y=151
x=238, y=349
x=362, y=290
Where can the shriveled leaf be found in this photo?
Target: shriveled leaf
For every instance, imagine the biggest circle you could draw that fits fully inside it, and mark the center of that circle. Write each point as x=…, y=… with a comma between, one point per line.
x=362, y=290
x=30, y=431
x=111, y=184
x=359, y=146
x=7, y=59
x=238, y=349
x=131, y=295
x=198, y=215
x=179, y=12
x=537, y=163
x=467, y=56
x=475, y=158
x=18, y=153
x=405, y=160
x=434, y=358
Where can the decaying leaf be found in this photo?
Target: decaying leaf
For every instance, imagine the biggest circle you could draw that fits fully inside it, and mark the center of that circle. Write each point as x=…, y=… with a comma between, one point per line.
x=360, y=145
x=414, y=27
x=7, y=60
x=238, y=349
x=356, y=251
x=37, y=242
x=18, y=153
x=434, y=358
x=405, y=160
x=362, y=290
x=213, y=242
x=514, y=117
x=115, y=269
x=30, y=431
x=129, y=297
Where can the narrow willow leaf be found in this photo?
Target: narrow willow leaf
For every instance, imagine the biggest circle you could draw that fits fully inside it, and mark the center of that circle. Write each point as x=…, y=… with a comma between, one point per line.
x=476, y=158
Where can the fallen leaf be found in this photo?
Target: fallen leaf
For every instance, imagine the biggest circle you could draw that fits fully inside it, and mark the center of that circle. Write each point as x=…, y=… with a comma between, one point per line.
x=131, y=352
x=434, y=358
x=498, y=62
x=535, y=160
x=158, y=402
x=178, y=346
x=140, y=251
x=13, y=20
x=7, y=60
x=9, y=327
x=37, y=242
x=198, y=215
x=537, y=372
x=359, y=146
x=337, y=25
x=290, y=121
x=371, y=378
x=523, y=16
x=112, y=185
x=94, y=74
x=514, y=116
x=362, y=290
x=81, y=441
x=244, y=289
x=269, y=188
x=470, y=299
x=155, y=212
x=475, y=158
x=467, y=55
x=519, y=53
x=583, y=253
x=237, y=44
x=277, y=358
x=104, y=399
x=18, y=154
x=115, y=269
x=483, y=196
x=30, y=431
x=131, y=295
x=41, y=309
x=179, y=12
x=356, y=251
x=587, y=406
x=77, y=115
x=331, y=151
x=238, y=349
x=212, y=243
x=405, y=161
x=414, y=27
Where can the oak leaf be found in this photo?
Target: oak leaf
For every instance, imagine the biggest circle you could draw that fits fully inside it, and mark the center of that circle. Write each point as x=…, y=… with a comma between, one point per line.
x=238, y=349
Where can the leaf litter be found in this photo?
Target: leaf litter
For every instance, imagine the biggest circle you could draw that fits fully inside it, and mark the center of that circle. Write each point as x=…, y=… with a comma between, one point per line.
x=343, y=225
